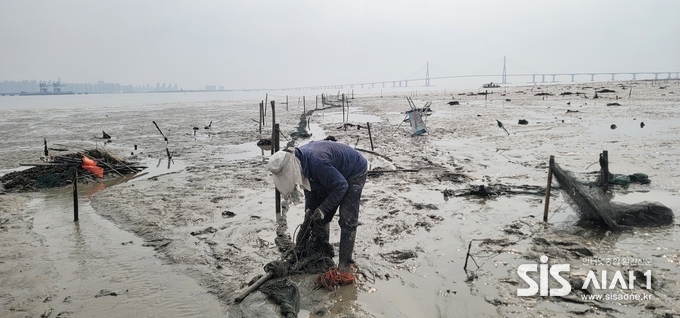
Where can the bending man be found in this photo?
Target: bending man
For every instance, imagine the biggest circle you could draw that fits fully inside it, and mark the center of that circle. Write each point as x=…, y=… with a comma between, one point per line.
x=332, y=175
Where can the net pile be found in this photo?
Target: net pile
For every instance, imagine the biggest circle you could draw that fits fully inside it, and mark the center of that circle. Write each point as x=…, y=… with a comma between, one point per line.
x=99, y=164
x=594, y=206
x=312, y=254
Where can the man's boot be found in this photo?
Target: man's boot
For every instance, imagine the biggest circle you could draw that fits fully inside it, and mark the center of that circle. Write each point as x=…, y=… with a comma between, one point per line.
x=346, y=248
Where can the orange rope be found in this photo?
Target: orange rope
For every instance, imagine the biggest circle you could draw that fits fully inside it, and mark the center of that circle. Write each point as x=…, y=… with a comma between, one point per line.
x=334, y=278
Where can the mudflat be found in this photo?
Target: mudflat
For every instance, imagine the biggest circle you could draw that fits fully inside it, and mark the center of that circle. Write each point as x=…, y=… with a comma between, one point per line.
x=184, y=237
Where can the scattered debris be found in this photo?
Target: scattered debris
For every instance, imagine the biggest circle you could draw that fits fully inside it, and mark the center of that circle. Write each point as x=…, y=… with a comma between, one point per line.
x=523, y=122
x=209, y=125
x=501, y=126
x=228, y=214
x=105, y=292
x=606, y=90
x=642, y=124
x=613, y=126
x=543, y=94
x=105, y=135
x=399, y=256
x=265, y=144
x=613, y=104
x=207, y=230
x=454, y=102
x=572, y=111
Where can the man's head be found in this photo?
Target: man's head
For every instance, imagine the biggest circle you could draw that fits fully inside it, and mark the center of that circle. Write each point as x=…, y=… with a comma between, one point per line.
x=287, y=171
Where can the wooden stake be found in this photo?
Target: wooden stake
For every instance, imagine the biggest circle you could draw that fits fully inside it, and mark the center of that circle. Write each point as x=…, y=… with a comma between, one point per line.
x=547, y=189
x=253, y=287
x=304, y=105
x=45, y=141
x=273, y=130
x=368, y=125
x=261, y=118
x=275, y=147
x=265, y=103
x=286, y=102
x=347, y=102
x=343, y=111
x=75, y=195
x=604, y=164
x=316, y=102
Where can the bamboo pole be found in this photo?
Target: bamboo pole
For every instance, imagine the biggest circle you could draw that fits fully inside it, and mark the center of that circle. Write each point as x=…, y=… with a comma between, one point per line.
x=75, y=195
x=604, y=162
x=275, y=147
x=261, y=118
x=343, y=111
x=273, y=123
x=253, y=287
x=368, y=125
x=547, y=189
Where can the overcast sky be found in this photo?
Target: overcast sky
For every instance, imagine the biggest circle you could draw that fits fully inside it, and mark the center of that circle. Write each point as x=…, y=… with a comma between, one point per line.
x=256, y=44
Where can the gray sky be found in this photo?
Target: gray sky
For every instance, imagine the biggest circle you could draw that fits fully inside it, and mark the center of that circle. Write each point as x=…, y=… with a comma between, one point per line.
x=256, y=43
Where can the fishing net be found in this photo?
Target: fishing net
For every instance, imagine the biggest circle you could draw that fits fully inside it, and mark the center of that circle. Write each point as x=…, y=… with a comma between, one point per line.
x=625, y=180
x=50, y=180
x=594, y=206
x=312, y=254
x=285, y=294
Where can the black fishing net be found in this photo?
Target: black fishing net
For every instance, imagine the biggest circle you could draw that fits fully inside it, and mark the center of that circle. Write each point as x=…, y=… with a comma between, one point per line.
x=285, y=294
x=594, y=206
x=311, y=254
x=625, y=180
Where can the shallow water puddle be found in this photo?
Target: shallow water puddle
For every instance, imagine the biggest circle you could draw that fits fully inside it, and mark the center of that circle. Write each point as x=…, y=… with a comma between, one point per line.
x=336, y=117
x=156, y=168
x=105, y=271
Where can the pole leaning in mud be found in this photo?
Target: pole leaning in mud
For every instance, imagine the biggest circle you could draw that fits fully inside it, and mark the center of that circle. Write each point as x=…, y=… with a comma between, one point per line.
x=547, y=189
x=75, y=195
x=368, y=126
x=253, y=287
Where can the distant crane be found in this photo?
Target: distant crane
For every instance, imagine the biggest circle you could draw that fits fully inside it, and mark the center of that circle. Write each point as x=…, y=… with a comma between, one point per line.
x=56, y=87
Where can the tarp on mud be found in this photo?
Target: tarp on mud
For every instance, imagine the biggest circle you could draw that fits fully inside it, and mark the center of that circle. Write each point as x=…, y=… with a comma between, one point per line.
x=593, y=205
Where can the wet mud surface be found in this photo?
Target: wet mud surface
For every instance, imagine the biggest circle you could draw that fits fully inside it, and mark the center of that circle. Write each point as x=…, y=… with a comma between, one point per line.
x=186, y=236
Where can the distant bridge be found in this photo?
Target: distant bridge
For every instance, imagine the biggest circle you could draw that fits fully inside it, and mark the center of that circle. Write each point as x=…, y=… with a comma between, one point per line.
x=552, y=78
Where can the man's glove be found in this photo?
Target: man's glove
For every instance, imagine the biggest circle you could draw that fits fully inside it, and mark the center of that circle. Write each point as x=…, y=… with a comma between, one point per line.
x=318, y=215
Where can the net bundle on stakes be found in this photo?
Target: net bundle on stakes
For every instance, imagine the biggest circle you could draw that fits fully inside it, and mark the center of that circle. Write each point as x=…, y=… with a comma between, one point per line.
x=594, y=206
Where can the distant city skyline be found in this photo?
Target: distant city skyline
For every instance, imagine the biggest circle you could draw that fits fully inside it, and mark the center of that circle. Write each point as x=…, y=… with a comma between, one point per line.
x=32, y=86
